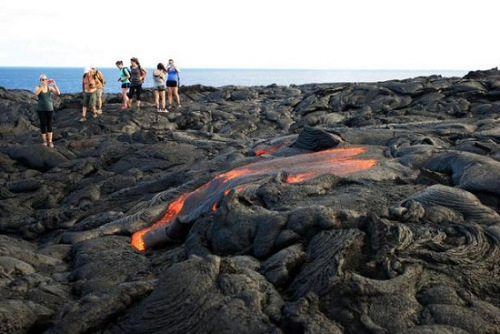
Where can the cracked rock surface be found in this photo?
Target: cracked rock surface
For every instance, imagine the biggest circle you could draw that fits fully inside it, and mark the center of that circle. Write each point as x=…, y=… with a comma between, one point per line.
x=408, y=245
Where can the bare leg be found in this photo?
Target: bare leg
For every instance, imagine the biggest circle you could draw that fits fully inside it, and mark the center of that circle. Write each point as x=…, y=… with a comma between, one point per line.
x=170, y=96
x=44, y=138
x=125, y=97
x=176, y=93
x=49, y=136
x=163, y=99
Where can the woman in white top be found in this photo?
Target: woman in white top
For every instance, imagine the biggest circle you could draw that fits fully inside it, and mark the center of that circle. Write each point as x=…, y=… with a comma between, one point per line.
x=159, y=87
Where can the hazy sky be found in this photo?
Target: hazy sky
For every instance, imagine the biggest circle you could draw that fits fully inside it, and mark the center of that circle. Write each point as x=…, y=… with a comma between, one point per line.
x=322, y=34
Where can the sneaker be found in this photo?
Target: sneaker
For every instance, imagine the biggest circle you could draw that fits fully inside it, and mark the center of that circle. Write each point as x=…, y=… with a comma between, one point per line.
x=94, y=115
x=44, y=143
x=98, y=111
x=51, y=144
x=83, y=119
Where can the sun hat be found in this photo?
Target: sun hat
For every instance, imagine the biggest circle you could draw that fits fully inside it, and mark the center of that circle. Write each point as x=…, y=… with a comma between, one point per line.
x=86, y=69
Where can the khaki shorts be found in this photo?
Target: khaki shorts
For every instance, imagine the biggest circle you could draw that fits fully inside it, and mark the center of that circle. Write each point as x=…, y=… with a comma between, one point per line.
x=89, y=99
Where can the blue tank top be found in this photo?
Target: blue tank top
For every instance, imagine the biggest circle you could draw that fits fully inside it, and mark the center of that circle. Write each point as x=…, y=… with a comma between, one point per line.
x=172, y=75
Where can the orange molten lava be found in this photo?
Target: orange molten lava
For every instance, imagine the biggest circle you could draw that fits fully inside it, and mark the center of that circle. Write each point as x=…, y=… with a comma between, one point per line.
x=173, y=210
x=268, y=150
x=299, y=168
x=299, y=177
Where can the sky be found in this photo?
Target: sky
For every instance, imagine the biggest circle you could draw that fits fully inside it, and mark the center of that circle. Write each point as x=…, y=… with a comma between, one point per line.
x=288, y=34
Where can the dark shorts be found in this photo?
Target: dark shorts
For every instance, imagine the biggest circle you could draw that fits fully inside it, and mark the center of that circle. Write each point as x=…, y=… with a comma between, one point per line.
x=160, y=88
x=126, y=85
x=171, y=83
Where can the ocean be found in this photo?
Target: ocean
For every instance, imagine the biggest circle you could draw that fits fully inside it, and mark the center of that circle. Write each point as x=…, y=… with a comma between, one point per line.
x=69, y=79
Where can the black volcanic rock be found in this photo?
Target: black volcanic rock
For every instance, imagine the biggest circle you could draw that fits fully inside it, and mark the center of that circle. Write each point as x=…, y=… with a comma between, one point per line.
x=401, y=235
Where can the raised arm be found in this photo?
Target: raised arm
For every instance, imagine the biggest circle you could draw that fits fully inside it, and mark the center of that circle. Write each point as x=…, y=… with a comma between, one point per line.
x=54, y=89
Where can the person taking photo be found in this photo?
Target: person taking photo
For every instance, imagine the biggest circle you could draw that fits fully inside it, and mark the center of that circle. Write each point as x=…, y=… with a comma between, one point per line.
x=45, y=107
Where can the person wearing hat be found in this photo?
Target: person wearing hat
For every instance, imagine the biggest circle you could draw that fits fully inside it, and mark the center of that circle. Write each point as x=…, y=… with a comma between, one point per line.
x=45, y=107
x=137, y=75
x=89, y=88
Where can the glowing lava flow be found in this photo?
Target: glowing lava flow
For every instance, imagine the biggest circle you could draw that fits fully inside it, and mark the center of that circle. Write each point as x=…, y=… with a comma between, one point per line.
x=173, y=210
x=298, y=168
x=270, y=150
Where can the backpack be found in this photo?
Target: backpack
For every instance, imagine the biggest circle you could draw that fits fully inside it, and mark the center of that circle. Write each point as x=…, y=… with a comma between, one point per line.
x=100, y=77
x=143, y=74
x=126, y=72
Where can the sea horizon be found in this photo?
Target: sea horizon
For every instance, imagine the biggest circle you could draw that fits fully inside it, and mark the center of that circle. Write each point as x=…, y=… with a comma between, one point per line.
x=69, y=78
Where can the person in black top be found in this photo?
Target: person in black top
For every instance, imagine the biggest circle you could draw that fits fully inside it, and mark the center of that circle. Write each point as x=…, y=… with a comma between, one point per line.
x=137, y=75
x=45, y=107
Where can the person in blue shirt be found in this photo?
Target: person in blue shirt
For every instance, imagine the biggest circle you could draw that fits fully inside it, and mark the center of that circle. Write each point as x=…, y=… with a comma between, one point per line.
x=173, y=83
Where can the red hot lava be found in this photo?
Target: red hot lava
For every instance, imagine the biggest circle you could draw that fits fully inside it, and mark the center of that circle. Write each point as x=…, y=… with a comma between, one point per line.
x=298, y=168
x=260, y=152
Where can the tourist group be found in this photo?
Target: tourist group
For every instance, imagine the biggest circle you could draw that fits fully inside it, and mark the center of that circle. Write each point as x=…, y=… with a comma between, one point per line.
x=165, y=78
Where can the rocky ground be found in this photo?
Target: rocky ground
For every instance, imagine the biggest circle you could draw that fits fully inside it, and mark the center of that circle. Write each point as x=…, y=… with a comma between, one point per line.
x=398, y=231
